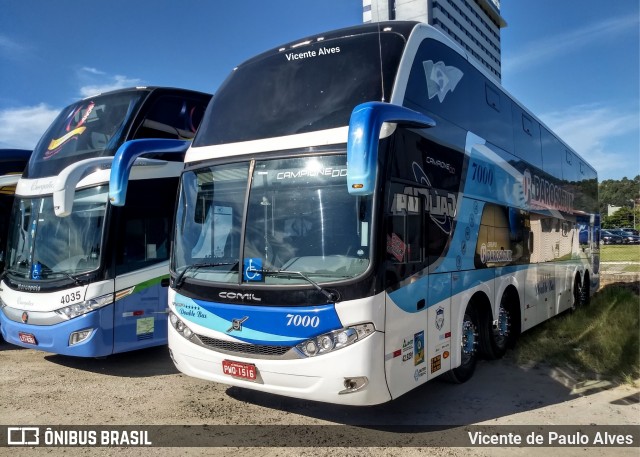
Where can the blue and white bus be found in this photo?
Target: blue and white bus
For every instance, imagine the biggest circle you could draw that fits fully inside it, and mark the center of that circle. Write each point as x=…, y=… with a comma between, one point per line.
x=86, y=274
x=364, y=210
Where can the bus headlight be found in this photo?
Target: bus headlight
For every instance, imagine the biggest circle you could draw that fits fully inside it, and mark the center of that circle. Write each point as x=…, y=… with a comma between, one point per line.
x=338, y=339
x=78, y=309
x=180, y=326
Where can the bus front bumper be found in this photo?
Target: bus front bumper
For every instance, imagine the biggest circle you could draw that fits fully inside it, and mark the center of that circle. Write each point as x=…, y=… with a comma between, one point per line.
x=56, y=338
x=320, y=378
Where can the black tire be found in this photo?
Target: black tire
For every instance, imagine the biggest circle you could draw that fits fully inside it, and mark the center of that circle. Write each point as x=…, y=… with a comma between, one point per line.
x=504, y=335
x=469, y=349
x=585, y=291
x=577, y=294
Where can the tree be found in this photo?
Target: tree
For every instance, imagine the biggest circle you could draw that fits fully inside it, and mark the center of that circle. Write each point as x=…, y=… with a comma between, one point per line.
x=621, y=193
x=622, y=218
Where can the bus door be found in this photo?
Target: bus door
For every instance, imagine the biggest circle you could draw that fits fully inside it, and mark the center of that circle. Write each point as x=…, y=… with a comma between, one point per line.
x=141, y=264
x=407, y=328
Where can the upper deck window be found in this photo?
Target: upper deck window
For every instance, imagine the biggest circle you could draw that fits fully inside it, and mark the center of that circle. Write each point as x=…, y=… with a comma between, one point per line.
x=93, y=127
x=301, y=89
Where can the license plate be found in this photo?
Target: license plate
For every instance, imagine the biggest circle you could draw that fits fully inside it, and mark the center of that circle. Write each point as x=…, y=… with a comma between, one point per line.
x=239, y=370
x=27, y=338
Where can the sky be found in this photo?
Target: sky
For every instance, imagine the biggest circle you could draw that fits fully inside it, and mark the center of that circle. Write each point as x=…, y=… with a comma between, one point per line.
x=573, y=63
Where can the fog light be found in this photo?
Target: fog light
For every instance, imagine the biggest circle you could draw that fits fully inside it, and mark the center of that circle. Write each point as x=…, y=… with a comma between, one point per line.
x=79, y=336
x=354, y=384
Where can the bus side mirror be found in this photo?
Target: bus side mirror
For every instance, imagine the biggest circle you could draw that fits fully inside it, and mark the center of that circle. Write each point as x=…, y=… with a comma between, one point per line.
x=364, y=136
x=127, y=154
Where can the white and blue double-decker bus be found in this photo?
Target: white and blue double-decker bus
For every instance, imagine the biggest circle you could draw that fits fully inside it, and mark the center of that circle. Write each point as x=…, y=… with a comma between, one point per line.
x=87, y=274
x=364, y=210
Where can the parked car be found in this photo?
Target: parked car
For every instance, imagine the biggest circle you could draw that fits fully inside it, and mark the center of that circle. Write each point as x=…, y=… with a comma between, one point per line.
x=627, y=238
x=630, y=230
x=606, y=237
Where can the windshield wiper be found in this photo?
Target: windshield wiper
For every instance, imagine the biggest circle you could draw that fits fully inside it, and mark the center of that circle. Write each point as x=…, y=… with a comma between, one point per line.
x=196, y=266
x=331, y=295
x=75, y=280
x=70, y=276
x=9, y=270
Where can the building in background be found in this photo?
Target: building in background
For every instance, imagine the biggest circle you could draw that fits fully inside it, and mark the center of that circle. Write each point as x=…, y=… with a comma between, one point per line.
x=473, y=24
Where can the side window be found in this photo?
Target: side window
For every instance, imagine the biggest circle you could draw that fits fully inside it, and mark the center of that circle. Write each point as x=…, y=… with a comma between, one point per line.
x=552, y=154
x=502, y=237
x=172, y=117
x=493, y=98
x=526, y=137
x=439, y=83
x=405, y=233
x=144, y=224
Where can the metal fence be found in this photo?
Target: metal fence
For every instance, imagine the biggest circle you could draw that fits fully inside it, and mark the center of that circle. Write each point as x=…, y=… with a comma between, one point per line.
x=620, y=263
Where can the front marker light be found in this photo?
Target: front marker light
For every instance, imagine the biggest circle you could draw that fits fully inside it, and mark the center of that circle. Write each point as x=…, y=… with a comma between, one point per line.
x=78, y=309
x=332, y=341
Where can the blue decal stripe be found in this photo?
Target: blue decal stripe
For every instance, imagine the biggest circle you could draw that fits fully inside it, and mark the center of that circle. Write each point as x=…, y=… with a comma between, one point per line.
x=260, y=324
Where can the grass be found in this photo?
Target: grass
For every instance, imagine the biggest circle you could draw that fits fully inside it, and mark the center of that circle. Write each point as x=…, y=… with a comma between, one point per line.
x=602, y=338
x=620, y=253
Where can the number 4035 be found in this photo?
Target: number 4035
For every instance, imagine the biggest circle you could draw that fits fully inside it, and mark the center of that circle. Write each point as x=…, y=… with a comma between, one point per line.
x=70, y=298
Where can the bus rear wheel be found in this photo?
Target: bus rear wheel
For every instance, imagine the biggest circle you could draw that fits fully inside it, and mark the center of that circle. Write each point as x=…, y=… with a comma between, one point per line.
x=503, y=335
x=578, y=294
x=585, y=290
x=469, y=347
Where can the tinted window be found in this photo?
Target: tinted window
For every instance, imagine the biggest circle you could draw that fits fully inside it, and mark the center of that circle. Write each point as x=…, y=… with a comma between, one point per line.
x=172, y=117
x=142, y=238
x=526, y=137
x=442, y=83
x=94, y=127
x=304, y=89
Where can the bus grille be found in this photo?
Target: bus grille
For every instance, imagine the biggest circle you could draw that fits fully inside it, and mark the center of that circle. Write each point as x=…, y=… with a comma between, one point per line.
x=240, y=349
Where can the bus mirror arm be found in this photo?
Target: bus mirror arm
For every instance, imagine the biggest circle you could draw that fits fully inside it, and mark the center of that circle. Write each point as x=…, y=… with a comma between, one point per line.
x=127, y=154
x=64, y=187
x=363, y=138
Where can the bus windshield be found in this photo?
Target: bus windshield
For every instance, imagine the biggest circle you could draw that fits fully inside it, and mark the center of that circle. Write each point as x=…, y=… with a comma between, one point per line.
x=93, y=127
x=43, y=246
x=310, y=87
x=299, y=219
